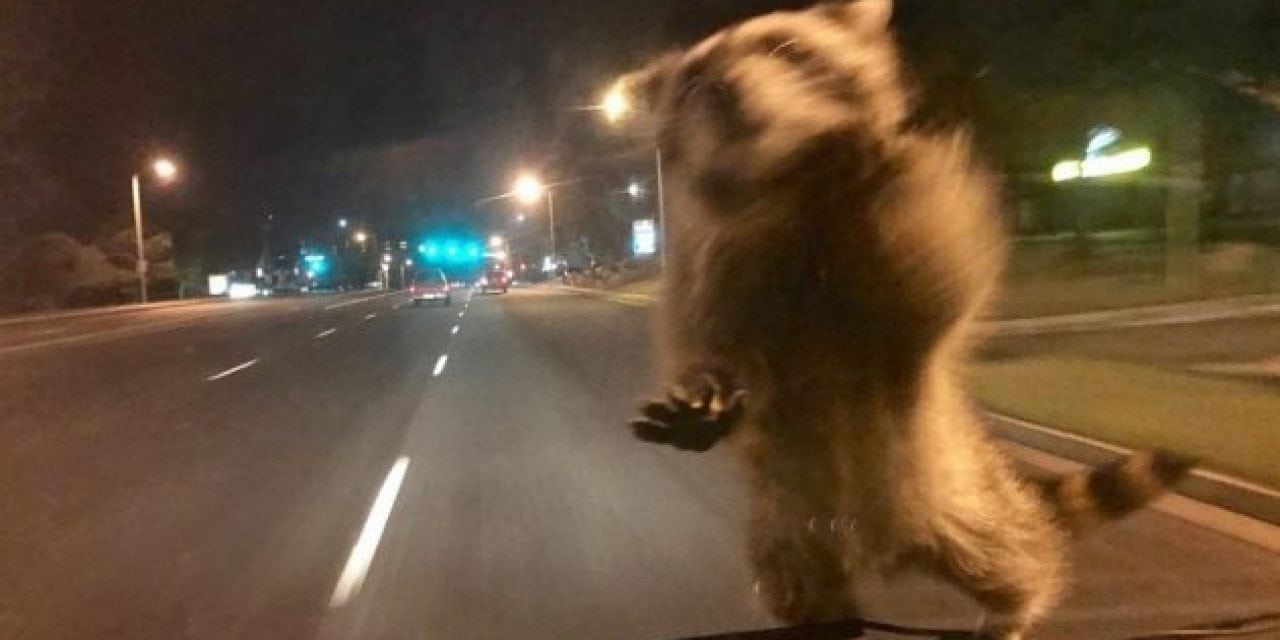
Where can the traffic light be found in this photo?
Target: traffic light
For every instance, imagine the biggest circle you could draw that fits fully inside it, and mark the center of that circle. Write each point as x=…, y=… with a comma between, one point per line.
x=451, y=250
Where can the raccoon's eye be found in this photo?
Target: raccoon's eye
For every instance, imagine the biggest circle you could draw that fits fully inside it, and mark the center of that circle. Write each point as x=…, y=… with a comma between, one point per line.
x=689, y=81
x=790, y=49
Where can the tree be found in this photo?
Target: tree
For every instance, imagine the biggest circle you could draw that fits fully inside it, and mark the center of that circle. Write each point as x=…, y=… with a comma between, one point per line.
x=55, y=270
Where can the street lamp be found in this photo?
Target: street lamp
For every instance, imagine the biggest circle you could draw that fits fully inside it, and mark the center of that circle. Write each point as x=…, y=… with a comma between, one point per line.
x=616, y=105
x=404, y=264
x=165, y=171
x=342, y=223
x=634, y=190
x=360, y=238
x=529, y=189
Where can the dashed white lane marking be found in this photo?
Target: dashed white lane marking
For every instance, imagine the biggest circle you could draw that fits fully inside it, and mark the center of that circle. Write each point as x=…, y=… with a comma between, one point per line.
x=454, y=330
x=461, y=313
x=357, y=567
x=326, y=333
x=440, y=363
x=240, y=367
x=371, y=316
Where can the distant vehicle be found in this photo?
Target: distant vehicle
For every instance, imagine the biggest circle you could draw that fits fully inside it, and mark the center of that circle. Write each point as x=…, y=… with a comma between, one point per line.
x=430, y=285
x=495, y=278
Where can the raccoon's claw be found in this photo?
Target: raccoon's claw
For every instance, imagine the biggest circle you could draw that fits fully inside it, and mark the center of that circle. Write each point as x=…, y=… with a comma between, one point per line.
x=693, y=417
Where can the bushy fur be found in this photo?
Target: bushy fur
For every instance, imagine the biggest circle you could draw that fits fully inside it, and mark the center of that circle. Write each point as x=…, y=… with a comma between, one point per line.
x=832, y=263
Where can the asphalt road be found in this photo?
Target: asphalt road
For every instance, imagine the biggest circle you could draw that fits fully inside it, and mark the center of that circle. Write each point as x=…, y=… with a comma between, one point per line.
x=317, y=468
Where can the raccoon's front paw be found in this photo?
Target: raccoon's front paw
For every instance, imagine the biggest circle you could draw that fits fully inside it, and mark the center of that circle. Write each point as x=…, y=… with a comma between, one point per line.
x=698, y=413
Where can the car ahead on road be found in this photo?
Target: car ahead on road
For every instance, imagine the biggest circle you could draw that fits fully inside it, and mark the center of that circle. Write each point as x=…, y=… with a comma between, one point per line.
x=494, y=280
x=430, y=285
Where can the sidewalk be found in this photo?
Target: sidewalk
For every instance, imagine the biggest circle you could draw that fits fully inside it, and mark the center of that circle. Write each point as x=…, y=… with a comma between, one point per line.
x=100, y=311
x=1251, y=306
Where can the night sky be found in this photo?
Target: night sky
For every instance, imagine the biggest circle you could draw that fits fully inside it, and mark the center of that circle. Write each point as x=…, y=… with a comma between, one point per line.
x=310, y=110
x=377, y=110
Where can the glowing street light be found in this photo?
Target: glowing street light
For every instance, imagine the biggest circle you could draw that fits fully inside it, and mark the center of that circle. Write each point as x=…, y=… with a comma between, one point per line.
x=165, y=171
x=342, y=223
x=616, y=104
x=360, y=237
x=496, y=241
x=634, y=190
x=529, y=189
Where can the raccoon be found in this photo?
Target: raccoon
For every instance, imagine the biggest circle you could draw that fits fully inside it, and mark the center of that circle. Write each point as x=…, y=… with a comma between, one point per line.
x=826, y=264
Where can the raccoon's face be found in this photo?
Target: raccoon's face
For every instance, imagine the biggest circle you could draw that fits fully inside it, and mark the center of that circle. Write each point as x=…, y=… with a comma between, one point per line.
x=735, y=109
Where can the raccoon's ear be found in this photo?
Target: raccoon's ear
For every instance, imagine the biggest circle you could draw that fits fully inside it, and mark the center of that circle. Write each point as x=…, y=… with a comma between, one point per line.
x=647, y=85
x=866, y=16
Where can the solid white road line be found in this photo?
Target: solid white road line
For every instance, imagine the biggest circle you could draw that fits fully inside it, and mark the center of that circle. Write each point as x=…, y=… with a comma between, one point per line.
x=371, y=316
x=440, y=363
x=240, y=367
x=454, y=330
x=347, y=303
x=357, y=567
x=326, y=333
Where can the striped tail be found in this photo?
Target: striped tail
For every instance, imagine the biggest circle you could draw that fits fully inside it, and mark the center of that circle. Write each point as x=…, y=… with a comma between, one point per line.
x=1096, y=496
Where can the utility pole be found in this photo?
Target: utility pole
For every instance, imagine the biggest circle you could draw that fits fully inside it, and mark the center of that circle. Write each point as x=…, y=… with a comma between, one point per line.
x=141, y=267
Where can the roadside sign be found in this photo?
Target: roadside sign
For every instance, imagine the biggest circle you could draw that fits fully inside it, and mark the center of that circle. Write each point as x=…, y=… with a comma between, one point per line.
x=644, y=237
x=218, y=284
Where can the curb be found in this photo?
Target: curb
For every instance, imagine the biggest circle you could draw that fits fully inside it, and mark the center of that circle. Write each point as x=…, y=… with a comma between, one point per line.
x=1210, y=487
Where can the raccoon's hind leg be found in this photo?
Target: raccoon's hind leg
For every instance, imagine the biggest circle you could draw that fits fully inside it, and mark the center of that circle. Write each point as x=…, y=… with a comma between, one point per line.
x=798, y=575
x=1013, y=569
x=795, y=551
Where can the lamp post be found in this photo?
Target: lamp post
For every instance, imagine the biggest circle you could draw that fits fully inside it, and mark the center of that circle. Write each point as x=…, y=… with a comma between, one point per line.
x=166, y=171
x=616, y=107
x=529, y=190
x=404, y=284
